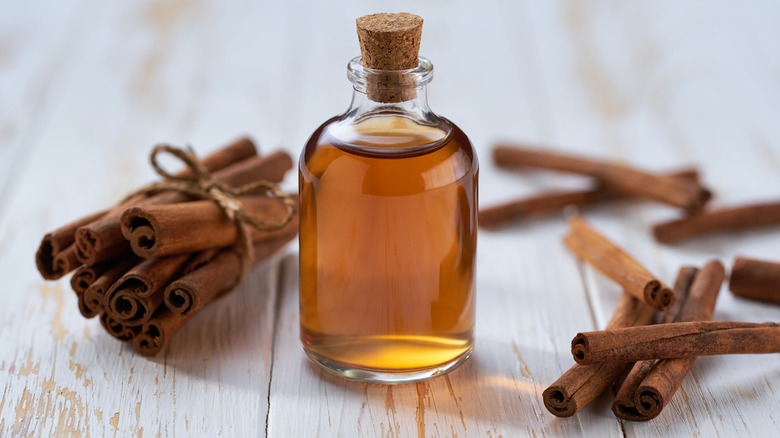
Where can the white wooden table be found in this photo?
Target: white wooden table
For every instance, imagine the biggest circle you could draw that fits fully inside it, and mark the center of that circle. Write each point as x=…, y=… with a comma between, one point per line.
x=88, y=86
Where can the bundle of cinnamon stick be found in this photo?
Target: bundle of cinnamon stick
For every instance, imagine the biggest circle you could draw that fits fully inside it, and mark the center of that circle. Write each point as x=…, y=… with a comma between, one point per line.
x=614, y=181
x=146, y=265
x=611, y=181
x=646, y=362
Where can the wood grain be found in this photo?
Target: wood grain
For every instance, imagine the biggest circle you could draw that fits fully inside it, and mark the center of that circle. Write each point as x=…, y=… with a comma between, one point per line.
x=87, y=89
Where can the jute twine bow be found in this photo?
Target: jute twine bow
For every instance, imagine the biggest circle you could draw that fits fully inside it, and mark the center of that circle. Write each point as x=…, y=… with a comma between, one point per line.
x=203, y=186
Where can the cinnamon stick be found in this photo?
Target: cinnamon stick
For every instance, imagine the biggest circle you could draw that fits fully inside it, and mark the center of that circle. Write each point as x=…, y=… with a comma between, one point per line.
x=200, y=259
x=189, y=294
x=578, y=386
x=94, y=295
x=56, y=254
x=682, y=286
x=136, y=296
x=676, y=340
x=81, y=280
x=756, y=280
x=728, y=219
x=233, y=153
x=637, y=371
x=193, y=291
x=84, y=276
x=616, y=264
x=555, y=201
x=103, y=240
x=86, y=311
x=156, y=332
x=118, y=330
x=652, y=383
x=160, y=230
x=686, y=276
x=684, y=194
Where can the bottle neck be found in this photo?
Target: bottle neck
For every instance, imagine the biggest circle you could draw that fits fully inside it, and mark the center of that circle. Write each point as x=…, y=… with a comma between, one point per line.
x=391, y=92
x=389, y=113
x=362, y=107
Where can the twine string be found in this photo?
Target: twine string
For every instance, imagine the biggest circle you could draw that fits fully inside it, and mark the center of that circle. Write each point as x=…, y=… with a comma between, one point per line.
x=202, y=185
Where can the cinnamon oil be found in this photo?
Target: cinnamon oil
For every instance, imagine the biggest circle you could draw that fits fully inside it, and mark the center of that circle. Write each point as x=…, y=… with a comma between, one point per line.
x=387, y=266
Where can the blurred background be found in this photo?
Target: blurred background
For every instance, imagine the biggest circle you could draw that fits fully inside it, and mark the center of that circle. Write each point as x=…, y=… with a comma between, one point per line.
x=90, y=86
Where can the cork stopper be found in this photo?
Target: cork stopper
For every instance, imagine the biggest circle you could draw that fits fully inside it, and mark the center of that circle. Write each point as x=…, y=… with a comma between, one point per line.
x=390, y=42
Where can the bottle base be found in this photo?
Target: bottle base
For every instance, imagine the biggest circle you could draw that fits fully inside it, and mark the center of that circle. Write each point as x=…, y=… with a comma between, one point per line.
x=385, y=377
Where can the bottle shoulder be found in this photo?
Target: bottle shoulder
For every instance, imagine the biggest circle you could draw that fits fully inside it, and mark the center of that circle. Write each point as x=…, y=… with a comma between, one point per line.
x=434, y=159
x=465, y=144
x=390, y=136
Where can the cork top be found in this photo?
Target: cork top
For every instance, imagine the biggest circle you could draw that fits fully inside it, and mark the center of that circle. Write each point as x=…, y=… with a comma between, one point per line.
x=389, y=41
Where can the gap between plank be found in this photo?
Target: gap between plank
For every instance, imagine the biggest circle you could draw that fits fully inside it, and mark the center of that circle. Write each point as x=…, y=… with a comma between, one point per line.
x=622, y=428
x=280, y=285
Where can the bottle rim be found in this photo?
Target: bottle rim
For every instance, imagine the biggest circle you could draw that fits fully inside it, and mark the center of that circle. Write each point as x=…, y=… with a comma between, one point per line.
x=416, y=77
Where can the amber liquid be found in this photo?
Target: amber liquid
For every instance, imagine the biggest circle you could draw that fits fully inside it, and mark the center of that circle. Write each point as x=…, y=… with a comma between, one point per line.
x=387, y=245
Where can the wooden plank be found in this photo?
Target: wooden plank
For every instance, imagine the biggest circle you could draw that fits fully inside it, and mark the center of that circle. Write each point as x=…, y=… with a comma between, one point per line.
x=145, y=72
x=37, y=42
x=661, y=86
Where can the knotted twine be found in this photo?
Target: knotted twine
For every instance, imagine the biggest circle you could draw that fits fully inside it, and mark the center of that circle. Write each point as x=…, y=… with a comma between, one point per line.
x=203, y=186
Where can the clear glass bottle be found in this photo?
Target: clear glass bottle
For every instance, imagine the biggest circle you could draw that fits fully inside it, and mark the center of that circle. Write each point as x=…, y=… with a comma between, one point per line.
x=388, y=234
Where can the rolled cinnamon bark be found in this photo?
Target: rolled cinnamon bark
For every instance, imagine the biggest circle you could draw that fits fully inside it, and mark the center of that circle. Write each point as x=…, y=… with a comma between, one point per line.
x=80, y=281
x=84, y=276
x=199, y=260
x=117, y=329
x=622, y=178
x=616, y=264
x=544, y=203
x=728, y=219
x=86, y=311
x=94, y=296
x=156, y=332
x=187, y=227
x=136, y=296
x=756, y=280
x=686, y=276
x=233, y=153
x=103, y=240
x=676, y=340
x=636, y=373
x=555, y=201
x=56, y=255
x=193, y=291
x=652, y=383
x=576, y=388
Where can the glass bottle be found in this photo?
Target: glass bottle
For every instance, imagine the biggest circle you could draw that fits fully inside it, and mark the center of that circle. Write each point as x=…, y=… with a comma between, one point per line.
x=388, y=233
